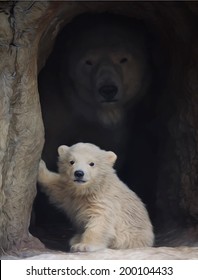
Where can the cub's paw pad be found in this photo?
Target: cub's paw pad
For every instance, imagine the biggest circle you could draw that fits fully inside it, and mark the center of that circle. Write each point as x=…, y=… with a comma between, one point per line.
x=84, y=247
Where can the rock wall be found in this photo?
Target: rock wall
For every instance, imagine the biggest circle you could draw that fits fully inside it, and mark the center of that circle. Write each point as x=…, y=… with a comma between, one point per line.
x=27, y=34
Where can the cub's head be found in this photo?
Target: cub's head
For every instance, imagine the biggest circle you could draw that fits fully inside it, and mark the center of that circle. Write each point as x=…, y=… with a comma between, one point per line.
x=84, y=164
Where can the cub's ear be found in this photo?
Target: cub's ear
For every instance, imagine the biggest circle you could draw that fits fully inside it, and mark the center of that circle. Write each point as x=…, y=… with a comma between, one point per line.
x=111, y=157
x=62, y=150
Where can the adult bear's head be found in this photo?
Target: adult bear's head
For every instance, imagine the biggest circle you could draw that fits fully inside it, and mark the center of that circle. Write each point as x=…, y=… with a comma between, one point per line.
x=107, y=62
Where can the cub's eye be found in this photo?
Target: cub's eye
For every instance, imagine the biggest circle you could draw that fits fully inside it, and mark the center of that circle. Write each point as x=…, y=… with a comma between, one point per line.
x=88, y=62
x=91, y=164
x=123, y=60
x=72, y=162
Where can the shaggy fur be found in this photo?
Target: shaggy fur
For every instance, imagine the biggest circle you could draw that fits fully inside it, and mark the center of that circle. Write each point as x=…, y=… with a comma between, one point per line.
x=105, y=212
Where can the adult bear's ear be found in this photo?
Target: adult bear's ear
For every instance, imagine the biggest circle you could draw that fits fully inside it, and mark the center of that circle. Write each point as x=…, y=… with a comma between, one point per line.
x=111, y=157
x=62, y=150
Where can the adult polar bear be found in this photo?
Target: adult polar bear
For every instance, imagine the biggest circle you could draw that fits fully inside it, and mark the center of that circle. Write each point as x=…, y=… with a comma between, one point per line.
x=98, y=70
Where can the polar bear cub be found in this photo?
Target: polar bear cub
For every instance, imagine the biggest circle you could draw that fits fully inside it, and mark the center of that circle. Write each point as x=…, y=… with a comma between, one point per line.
x=104, y=211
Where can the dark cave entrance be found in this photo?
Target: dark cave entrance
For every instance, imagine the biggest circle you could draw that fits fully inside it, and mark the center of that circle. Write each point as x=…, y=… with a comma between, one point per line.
x=152, y=159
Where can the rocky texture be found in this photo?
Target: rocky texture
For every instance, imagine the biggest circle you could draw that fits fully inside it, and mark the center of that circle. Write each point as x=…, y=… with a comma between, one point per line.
x=27, y=34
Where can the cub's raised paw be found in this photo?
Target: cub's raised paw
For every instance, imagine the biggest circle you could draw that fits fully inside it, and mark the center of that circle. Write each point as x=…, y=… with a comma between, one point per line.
x=42, y=165
x=42, y=170
x=84, y=247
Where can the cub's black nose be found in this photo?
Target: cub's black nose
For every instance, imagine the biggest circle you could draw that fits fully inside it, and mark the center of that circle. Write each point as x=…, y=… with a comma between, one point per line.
x=108, y=92
x=79, y=174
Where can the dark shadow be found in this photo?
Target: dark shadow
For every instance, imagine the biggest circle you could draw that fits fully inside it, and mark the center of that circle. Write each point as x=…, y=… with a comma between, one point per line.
x=135, y=138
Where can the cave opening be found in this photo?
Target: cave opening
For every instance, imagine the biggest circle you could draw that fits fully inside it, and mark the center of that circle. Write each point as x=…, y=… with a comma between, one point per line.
x=150, y=162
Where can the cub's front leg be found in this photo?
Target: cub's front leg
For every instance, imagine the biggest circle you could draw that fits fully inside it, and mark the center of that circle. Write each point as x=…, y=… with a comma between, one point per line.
x=45, y=177
x=50, y=184
x=94, y=238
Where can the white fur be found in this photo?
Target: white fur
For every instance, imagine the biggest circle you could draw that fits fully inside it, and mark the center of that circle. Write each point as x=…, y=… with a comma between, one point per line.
x=105, y=212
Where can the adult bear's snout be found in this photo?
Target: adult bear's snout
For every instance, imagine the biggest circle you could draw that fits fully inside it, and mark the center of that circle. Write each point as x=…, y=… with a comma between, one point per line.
x=108, y=92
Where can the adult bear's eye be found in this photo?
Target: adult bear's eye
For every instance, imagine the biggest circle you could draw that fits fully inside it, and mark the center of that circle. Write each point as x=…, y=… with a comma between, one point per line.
x=91, y=164
x=123, y=60
x=72, y=162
